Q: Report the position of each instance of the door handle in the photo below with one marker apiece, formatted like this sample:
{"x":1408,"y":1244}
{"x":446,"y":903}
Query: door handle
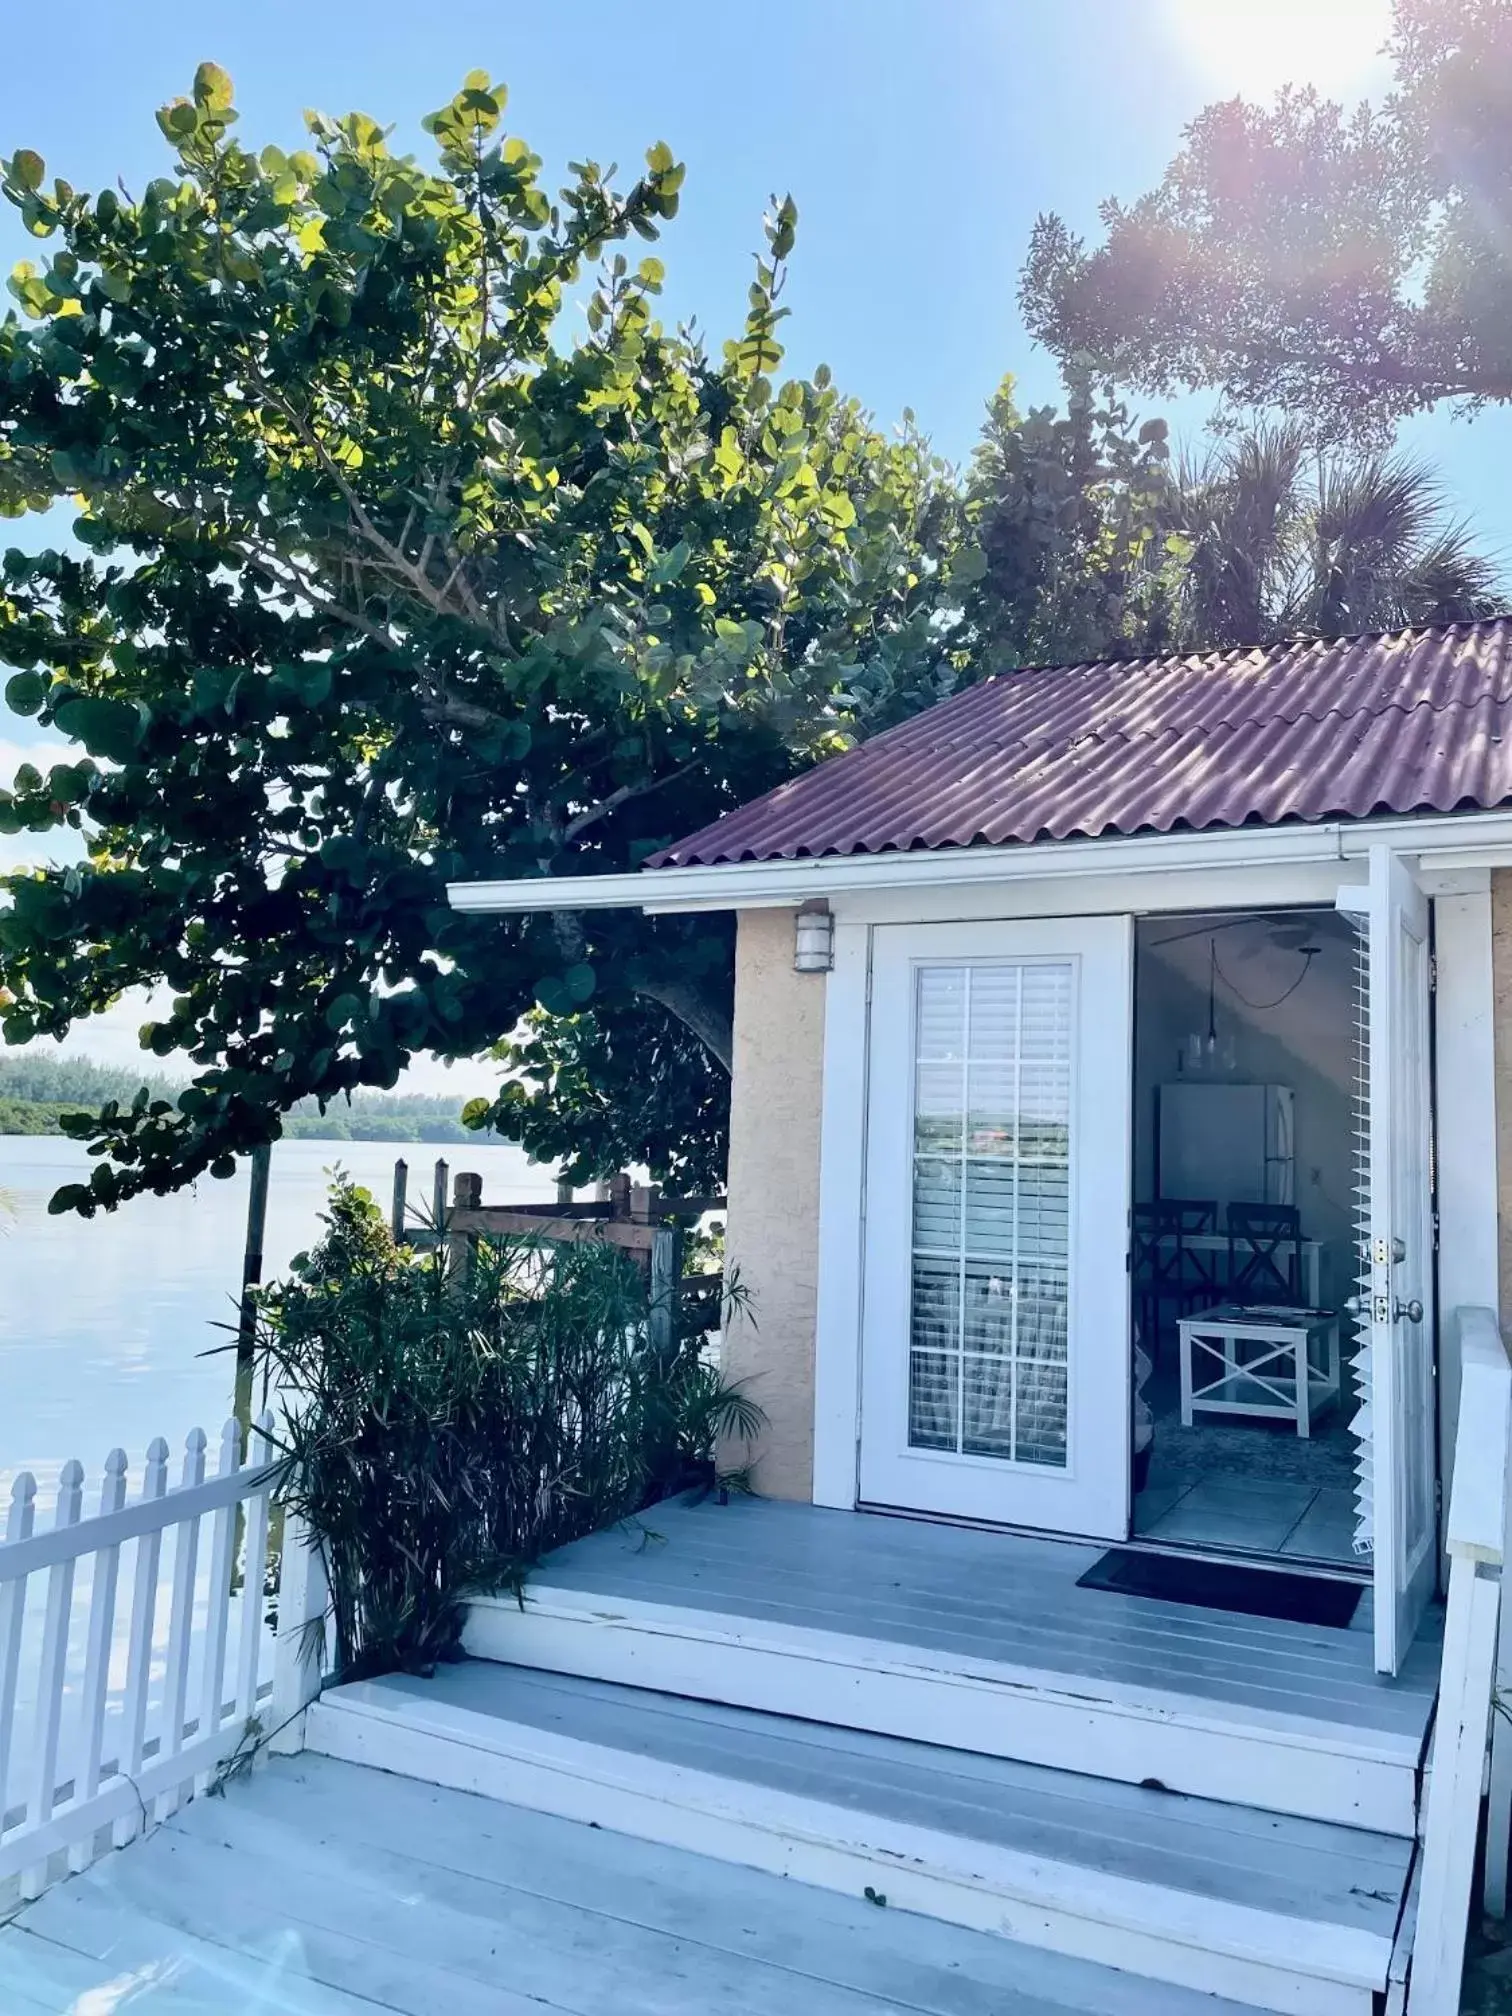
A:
{"x":1412,"y":1310}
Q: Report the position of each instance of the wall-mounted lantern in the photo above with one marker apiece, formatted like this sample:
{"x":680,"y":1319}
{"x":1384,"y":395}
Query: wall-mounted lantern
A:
{"x":814,"y":938}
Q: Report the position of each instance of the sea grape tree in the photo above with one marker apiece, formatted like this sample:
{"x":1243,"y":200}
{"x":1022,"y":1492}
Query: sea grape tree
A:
{"x":409,"y":545}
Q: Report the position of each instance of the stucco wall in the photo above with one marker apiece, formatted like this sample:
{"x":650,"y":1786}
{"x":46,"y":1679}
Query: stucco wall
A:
{"x":773,"y":1238}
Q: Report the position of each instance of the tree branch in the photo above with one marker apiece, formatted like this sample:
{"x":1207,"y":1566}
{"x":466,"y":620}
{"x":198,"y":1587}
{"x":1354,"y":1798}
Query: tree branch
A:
{"x":622,"y":797}
{"x":712,"y":1025}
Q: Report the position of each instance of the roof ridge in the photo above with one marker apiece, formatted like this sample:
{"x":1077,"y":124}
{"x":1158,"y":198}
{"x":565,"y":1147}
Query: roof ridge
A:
{"x":1115,"y":732}
{"x":1216,"y":654}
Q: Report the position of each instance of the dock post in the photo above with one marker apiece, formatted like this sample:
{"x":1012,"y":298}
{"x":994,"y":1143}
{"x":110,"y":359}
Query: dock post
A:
{"x":401,"y":1201}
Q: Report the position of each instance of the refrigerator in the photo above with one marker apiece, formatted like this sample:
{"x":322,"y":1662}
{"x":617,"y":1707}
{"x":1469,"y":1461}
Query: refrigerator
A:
{"x":1233,"y":1144}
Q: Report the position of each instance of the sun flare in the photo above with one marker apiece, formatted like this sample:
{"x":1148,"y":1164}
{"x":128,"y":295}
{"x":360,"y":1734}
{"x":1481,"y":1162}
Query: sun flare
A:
{"x":1255,"y":46}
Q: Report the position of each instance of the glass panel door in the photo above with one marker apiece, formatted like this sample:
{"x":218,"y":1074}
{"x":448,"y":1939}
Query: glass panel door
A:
{"x":995,"y":1361}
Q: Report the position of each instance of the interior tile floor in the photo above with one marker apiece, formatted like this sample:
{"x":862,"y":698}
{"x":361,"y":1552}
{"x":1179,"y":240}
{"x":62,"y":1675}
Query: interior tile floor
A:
{"x":1256,"y":1515}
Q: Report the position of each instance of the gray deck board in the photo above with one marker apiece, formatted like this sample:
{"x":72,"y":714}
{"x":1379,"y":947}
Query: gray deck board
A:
{"x":325,"y":1889}
{"x":1306,"y":1869}
{"x":996,"y":1597}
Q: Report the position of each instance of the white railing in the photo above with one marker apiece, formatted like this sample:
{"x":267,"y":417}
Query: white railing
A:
{"x":1476,"y":1542}
{"x":115,"y":1709}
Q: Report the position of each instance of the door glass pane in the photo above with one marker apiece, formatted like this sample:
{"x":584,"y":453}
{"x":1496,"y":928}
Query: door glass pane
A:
{"x":991,"y":1210}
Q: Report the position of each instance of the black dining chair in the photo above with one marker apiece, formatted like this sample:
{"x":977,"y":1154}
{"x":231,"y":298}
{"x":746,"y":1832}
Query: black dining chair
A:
{"x":1169,"y":1273}
{"x":1265,"y":1253}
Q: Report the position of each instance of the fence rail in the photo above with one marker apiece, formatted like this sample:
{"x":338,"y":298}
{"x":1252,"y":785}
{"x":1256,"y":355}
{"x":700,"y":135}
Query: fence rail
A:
{"x":115,"y":1709}
{"x":1475,"y":1539}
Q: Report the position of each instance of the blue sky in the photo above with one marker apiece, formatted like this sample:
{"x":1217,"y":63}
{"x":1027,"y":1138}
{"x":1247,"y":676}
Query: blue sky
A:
{"x":919,"y":137}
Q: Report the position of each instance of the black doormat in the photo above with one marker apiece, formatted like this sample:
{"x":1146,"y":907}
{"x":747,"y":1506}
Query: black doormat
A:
{"x":1213,"y":1585}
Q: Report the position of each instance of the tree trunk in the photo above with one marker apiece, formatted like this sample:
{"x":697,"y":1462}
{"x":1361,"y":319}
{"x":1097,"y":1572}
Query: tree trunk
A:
{"x":712,"y":1024}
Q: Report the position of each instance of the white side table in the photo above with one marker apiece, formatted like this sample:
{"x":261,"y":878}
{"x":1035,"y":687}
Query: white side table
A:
{"x":1268,"y":1364}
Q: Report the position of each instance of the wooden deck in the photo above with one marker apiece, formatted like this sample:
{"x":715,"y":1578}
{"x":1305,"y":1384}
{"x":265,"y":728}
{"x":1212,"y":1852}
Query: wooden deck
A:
{"x":323,"y":1889}
{"x":803,"y":1611}
{"x":990,"y":1596}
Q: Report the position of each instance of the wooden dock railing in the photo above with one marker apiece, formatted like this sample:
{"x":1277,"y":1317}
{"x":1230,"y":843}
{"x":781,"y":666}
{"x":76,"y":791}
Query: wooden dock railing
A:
{"x":1476,"y":1540}
{"x":115,"y":1709}
{"x":635,"y":1218}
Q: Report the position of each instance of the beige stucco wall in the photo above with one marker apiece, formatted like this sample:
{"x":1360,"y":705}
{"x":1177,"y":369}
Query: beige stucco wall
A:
{"x":1501,"y":976}
{"x":773,"y":1238}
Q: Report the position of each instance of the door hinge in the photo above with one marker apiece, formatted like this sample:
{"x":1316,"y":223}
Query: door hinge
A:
{"x":1433,"y":973}
{"x":1435,"y":1231}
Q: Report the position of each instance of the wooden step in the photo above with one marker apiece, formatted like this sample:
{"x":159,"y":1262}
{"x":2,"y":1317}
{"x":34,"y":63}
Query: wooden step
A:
{"x":1273,"y":1913}
{"x":1226,"y":1708}
{"x":317,"y":1888}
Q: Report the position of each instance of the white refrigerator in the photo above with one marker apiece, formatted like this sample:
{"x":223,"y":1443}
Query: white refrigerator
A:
{"x":1232,"y":1144}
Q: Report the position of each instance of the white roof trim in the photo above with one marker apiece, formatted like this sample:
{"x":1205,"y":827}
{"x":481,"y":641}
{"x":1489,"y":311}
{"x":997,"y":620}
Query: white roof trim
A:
{"x":1457,"y":840}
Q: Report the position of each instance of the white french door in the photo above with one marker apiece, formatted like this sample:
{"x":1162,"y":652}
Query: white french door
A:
{"x":1395,"y":1368}
{"x":995,"y":1349}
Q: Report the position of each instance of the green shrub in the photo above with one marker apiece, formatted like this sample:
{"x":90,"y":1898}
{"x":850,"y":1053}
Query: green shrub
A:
{"x":445,"y":1429}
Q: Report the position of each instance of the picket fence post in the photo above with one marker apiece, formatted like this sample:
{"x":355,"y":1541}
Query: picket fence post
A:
{"x":140,"y":1636}
{"x":181,"y":1617}
{"x":304,"y":1603}
{"x":60,"y":1582}
{"x":259,"y":1454}
{"x":102,"y":1605}
{"x":23,"y":1513}
{"x":218,"y":1605}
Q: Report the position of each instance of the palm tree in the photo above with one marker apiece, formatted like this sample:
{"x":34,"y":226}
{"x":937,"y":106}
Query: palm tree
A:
{"x":1272,"y":541}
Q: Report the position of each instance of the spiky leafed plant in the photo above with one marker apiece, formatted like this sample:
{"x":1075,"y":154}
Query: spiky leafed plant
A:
{"x":1287,"y":543}
{"x":444,"y":1429}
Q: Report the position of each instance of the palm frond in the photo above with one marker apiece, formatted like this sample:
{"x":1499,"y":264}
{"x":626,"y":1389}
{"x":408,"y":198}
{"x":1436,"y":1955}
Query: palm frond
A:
{"x":1284,"y":546}
{"x":1237,"y":509}
{"x":1451,"y":581}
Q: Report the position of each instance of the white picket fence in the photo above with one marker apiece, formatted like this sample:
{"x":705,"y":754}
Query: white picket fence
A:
{"x":131,"y":1706}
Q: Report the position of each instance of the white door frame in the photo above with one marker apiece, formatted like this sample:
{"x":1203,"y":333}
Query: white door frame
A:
{"x":1464,"y":1103}
{"x":1090,"y":1493}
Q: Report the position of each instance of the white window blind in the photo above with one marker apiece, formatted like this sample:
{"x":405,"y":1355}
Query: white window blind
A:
{"x":991,"y":1210}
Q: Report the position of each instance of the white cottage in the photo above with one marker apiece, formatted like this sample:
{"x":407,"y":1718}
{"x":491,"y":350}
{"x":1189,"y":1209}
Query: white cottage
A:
{"x":1114,"y":1161}
{"x":1119,"y":1058}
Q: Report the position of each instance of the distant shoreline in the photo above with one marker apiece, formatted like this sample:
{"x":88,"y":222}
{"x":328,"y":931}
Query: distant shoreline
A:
{"x":37,"y":1089}
{"x":43,"y":1116}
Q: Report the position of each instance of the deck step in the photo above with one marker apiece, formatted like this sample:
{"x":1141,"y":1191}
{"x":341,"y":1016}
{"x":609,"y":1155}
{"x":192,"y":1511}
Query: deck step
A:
{"x":1273,"y":1913}
{"x":1293,"y":1760}
{"x":317,"y":1888}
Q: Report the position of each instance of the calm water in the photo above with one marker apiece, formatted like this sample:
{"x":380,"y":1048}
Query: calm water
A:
{"x":103,"y":1322}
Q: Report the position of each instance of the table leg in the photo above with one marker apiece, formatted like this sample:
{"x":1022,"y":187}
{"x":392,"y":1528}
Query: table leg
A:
{"x":1304,"y":1388}
{"x":1184,"y":1331}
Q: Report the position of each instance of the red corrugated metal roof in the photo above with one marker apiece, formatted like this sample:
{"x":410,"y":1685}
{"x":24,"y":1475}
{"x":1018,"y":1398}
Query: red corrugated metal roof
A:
{"x":1415,"y":721}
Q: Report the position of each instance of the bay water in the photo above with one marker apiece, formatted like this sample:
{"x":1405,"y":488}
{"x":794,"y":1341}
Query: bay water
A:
{"x":105,"y":1323}
{"x":111,"y":1333}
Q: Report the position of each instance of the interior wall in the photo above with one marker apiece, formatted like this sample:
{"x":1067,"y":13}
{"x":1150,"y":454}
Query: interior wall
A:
{"x":1305,"y":1041}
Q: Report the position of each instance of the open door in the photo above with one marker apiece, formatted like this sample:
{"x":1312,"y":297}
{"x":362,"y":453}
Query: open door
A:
{"x":995,"y":1359}
{"x":1394,"y":1308}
